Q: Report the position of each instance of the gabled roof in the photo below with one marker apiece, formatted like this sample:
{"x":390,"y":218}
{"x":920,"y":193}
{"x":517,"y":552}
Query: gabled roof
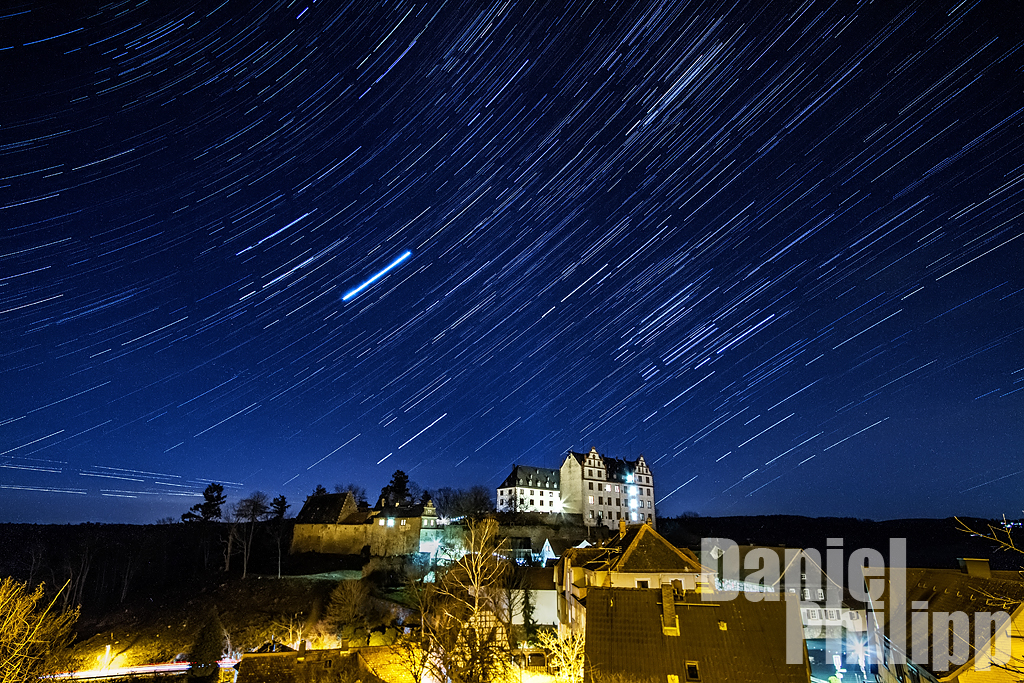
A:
{"x":615,"y":468}
{"x":331,"y":508}
{"x":644,"y":549}
{"x":640,"y":549}
{"x":738,"y":640}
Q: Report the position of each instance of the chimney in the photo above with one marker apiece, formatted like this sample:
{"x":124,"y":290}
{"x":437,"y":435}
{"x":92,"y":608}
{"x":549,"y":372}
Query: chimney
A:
{"x":975,"y":566}
{"x":622,"y":528}
{"x":669,"y":621}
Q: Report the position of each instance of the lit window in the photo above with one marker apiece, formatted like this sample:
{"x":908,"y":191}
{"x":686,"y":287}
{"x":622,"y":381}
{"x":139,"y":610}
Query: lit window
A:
{"x":590,"y":499}
{"x":403,"y":522}
{"x":649,"y":504}
{"x":591,"y":514}
{"x":391,"y":521}
{"x":616,"y":488}
{"x":381,"y":522}
{"x":608,"y":487}
{"x":821,"y":594}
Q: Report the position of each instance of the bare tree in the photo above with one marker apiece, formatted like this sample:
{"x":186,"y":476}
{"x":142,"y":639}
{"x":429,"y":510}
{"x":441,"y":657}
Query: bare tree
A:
{"x":565,"y":654}
{"x":358,"y":492}
{"x":464,"y":615}
{"x":250,"y":511}
{"x":34,"y":636}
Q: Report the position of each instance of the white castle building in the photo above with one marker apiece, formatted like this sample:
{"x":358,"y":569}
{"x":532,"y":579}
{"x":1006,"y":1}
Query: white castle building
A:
{"x":603,"y":490}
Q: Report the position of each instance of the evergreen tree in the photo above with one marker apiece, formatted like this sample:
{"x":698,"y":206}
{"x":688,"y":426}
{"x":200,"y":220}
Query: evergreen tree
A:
{"x":209,"y":509}
{"x":397,"y":491}
{"x":207,"y":649}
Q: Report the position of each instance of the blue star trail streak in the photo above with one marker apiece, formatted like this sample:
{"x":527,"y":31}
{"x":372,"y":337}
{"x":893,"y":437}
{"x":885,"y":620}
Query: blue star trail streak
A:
{"x":774,"y":247}
{"x":384,"y":271}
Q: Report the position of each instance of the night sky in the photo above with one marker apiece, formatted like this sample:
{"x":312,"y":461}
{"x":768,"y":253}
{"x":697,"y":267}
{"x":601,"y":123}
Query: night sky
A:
{"x":776,"y":248}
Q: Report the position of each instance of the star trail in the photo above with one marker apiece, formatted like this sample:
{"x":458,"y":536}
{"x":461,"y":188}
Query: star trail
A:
{"x":773,"y":247}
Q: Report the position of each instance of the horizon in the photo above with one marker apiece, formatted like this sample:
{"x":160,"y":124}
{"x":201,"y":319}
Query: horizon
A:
{"x":776,"y":249}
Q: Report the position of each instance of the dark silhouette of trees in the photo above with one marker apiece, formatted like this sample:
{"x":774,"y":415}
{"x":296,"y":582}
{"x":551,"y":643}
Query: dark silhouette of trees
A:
{"x":248,"y":513}
{"x":278,"y":507}
{"x":210,"y":508}
{"x":358,"y":492}
{"x":207,"y":649}
{"x":318,"y":491}
{"x":206,"y":513}
{"x":397,"y":492}
{"x":471,"y":503}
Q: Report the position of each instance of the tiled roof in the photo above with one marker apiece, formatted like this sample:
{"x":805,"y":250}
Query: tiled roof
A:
{"x":949,"y":591}
{"x":526,"y":475}
{"x":329,"y":508}
{"x":640,"y":549}
{"x":737,"y":641}
{"x":644,"y":549}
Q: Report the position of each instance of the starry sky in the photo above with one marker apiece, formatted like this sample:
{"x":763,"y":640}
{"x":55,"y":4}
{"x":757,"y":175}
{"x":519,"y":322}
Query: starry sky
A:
{"x":776,"y":248}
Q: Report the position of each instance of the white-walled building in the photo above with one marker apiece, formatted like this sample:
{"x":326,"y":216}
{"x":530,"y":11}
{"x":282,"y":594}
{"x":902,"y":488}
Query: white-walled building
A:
{"x":603,"y":490}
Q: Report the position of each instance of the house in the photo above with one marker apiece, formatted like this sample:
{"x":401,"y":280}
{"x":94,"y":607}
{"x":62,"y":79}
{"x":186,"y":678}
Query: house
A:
{"x":334,"y":524}
{"x":603,"y":490}
{"x":540,"y":584}
{"x":962,"y":626}
{"x":637,"y":557}
{"x":828,"y":611}
{"x":667,"y":635}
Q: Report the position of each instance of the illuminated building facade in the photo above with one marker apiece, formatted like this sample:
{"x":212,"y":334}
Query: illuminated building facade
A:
{"x":603,"y":490}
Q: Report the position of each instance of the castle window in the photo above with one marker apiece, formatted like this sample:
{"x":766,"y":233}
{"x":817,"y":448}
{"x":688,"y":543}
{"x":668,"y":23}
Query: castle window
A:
{"x":590,"y":499}
{"x":692,"y":671}
{"x":590,"y":485}
{"x":380,"y":522}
